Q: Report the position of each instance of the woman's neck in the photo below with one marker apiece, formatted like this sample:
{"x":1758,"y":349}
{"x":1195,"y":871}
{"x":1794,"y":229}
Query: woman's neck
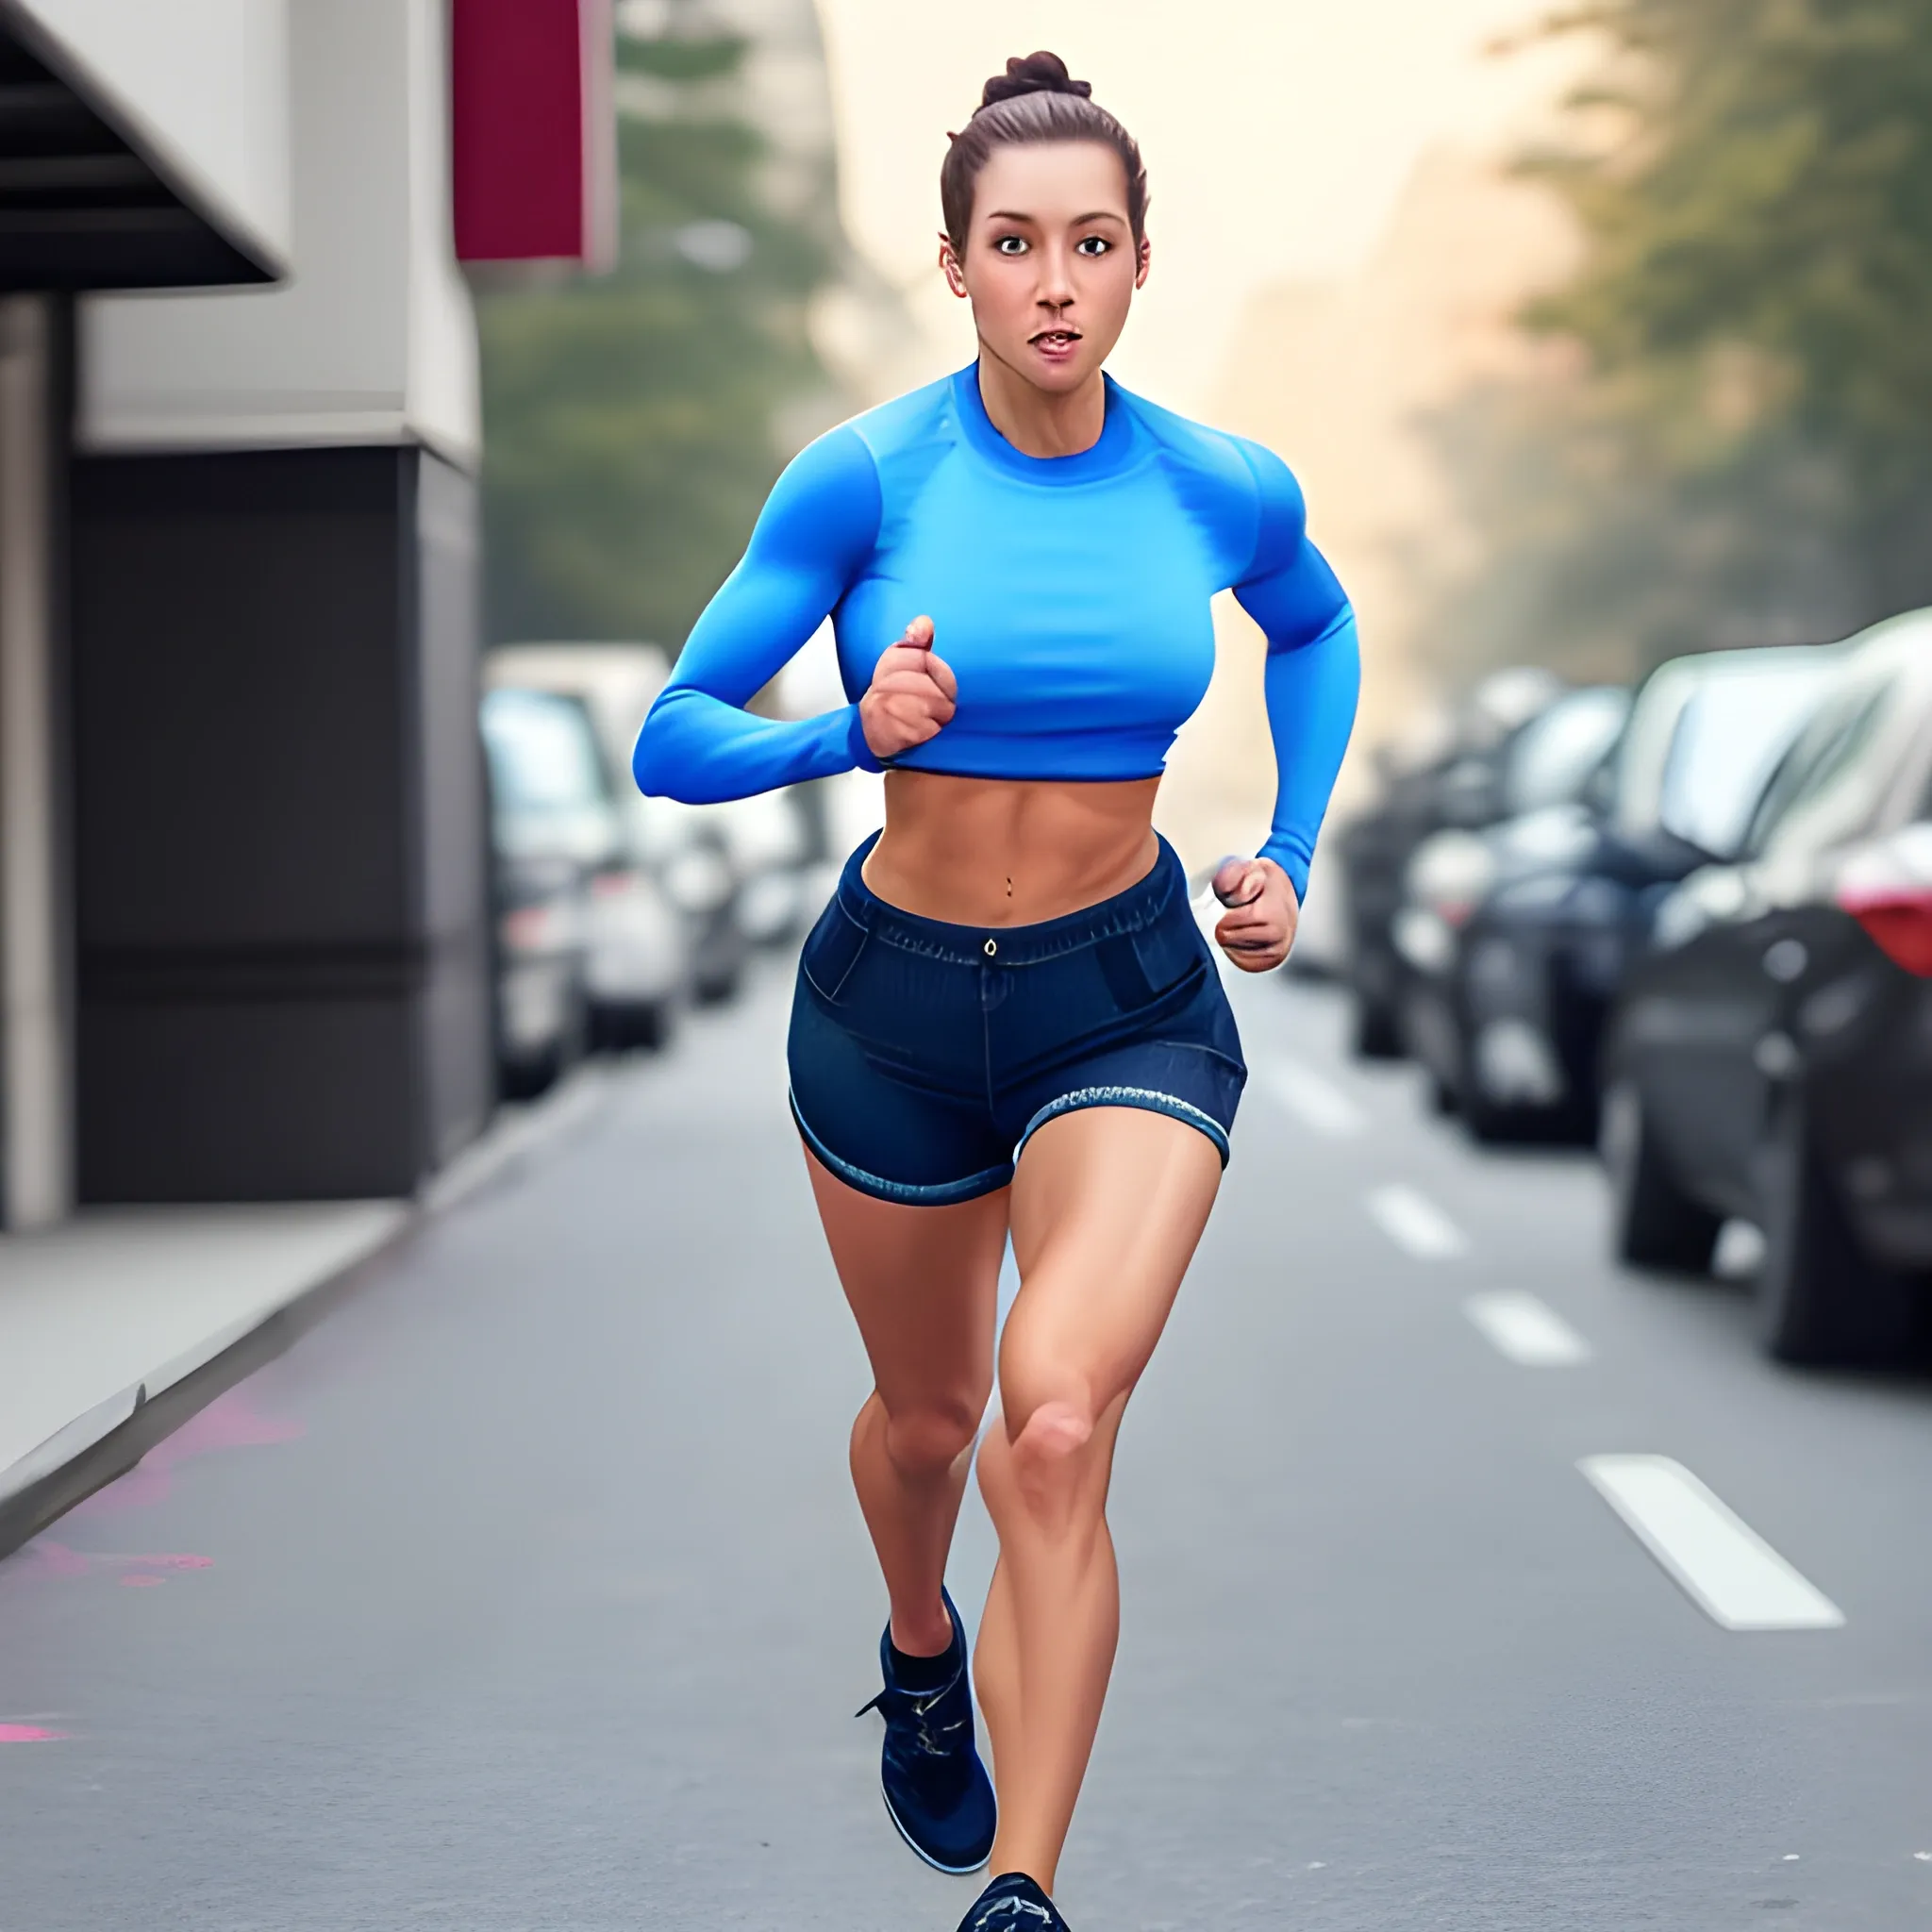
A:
{"x":1036,"y":423}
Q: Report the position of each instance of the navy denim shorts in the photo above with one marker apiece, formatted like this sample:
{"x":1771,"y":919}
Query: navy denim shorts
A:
{"x":924,"y":1055}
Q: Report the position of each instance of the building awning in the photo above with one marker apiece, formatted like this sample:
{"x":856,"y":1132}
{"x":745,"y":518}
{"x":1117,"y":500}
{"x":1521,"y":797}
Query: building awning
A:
{"x":81,"y":206}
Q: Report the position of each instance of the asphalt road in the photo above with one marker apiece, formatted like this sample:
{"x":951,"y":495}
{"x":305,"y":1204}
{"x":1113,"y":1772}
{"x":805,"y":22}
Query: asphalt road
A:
{"x":527,"y":1591}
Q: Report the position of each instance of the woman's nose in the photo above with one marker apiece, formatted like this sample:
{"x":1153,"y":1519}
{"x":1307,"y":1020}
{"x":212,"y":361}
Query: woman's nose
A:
{"x":1056,"y":278}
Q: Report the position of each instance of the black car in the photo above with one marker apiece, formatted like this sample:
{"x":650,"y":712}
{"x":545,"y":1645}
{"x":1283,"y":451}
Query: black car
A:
{"x":1517,"y":938}
{"x":1460,"y":780}
{"x":1770,"y":1057}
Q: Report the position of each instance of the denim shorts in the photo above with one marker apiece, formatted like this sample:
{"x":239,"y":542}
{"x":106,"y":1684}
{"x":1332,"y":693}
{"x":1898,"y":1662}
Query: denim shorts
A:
{"x":925,"y":1055}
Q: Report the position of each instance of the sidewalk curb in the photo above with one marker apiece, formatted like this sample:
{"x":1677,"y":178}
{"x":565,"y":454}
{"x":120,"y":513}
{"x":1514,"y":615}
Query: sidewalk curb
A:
{"x":105,"y":1442}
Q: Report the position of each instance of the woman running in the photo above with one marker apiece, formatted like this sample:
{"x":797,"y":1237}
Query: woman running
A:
{"x":1007,"y":1022}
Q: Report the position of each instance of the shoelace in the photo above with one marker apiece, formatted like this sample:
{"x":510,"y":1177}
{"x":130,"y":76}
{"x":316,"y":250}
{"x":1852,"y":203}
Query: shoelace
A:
{"x":1010,"y":1909}
{"x":891,"y":1703}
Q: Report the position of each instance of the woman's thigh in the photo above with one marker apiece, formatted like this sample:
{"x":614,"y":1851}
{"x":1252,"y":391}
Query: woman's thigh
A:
{"x":1108,"y":1206}
{"x":924,"y":1285}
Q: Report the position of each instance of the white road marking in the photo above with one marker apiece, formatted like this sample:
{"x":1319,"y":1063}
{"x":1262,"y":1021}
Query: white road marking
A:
{"x":1526,"y":1331}
{"x":1414,"y":1222}
{"x":1718,"y":1559}
{"x":1317,"y":1103}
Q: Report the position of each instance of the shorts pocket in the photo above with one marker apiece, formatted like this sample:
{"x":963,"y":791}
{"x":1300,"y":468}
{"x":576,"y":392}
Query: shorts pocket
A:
{"x":1152,"y":964}
{"x":831,"y":951}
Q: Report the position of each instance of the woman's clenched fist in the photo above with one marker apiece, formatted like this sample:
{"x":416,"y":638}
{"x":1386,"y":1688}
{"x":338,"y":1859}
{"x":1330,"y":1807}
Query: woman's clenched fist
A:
{"x":1259,"y":926}
{"x":911,"y":695}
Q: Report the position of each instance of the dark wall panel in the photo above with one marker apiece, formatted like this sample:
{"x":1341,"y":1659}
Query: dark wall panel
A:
{"x":246,"y":1100}
{"x":280,"y":863}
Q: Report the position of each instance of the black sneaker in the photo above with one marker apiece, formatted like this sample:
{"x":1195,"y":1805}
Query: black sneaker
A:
{"x":937,"y":1791}
{"x":1012,"y":1903}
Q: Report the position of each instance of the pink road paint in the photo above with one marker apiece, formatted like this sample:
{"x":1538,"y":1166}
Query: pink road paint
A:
{"x":28,"y":1734}
{"x":56,"y":1560}
{"x":229,"y":1422}
{"x":51,"y":1558}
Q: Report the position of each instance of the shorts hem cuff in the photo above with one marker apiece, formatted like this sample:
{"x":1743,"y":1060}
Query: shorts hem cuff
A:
{"x":908,"y":1193}
{"x":1149,"y":1099}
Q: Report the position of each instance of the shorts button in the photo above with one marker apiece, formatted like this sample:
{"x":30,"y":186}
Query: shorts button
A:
{"x":991,"y":949}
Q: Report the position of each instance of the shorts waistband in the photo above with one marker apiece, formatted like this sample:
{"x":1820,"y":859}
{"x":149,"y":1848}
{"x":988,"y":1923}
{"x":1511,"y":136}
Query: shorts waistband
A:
{"x":1146,"y":903}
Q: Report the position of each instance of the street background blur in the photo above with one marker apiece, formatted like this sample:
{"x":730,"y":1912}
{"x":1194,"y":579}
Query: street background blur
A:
{"x":1521,"y":1521}
{"x":1593,"y":336}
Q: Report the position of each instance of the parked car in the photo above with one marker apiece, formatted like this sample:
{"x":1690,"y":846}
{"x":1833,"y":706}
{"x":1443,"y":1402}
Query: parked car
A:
{"x":1517,"y":937}
{"x":688,"y":849}
{"x":600,"y":956}
{"x":1769,"y":1056}
{"x":1455,"y":778}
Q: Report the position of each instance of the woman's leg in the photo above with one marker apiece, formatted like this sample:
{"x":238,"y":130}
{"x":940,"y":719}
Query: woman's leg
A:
{"x":1108,"y":1206}
{"x":923,"y":1284}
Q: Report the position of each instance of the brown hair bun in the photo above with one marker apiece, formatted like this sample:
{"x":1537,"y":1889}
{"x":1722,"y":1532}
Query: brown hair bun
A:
{"x":1036,"y":101}
{"x":1037,"y":74}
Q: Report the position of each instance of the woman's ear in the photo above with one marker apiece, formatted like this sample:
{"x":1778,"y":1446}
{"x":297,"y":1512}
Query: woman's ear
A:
{"x":949,"y":267}
{"x":1146,"y":257}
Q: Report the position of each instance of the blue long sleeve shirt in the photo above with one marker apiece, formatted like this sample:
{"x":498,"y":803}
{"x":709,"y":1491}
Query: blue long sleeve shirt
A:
{"x":1069,"y":594}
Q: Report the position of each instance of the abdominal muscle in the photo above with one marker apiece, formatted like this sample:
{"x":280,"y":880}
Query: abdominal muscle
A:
{"x":1009,"y":851}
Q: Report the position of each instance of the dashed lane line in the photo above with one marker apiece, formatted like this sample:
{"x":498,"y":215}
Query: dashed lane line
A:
{"x":1415,"y":1223}
{"x":1717,"y":1559}
{"x":1319,"y":1105}
{"x":1526,"y":1331}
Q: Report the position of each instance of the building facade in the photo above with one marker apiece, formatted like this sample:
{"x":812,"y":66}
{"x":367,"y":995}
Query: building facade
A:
{"x":244,"y":922}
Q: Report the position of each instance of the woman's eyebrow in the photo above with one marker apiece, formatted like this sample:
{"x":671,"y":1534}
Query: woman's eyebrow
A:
{"x":1099,"y":214}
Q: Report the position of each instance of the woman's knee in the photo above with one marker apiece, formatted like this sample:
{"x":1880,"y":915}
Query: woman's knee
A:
{"x":1051,"y":1420}
{"x":927,"y":1438}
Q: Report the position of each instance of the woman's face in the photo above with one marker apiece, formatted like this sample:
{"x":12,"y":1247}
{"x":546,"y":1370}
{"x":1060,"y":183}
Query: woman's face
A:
{"x":1050,"y":264}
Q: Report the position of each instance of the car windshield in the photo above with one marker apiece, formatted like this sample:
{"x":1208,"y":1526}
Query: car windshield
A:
{"x":1729,"y":740}
{"x":543,"y":754}
{"x":1554,"y":757}
{"x":1826,"y":755}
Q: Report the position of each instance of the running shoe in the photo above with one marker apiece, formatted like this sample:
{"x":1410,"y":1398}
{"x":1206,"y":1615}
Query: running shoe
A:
{"x":937,"y":1791}
{"x":1012,"y":1903}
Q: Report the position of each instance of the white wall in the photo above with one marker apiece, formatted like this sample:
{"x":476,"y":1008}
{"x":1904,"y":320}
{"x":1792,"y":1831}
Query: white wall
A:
{"x":373,"y":337}
{"x":202,"y":86}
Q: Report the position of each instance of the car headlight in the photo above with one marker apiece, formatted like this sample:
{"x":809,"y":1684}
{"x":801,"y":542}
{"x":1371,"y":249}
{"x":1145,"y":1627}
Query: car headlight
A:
{"x":1713,"y":894}
{"x":1451,"y":874}
{"x":698,"y":880}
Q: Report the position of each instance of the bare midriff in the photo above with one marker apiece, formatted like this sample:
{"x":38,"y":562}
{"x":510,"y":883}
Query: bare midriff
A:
{"x":1009,"y":851}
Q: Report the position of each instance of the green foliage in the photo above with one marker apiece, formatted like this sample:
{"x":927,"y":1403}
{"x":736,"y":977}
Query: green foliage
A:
{"x":629,"y":418}
{"x":1773,"y":194}
{"x":1751,"y":456}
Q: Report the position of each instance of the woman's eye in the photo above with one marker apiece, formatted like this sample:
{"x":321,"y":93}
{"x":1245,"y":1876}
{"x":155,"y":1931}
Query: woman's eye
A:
{"x":1092,"y":244}
{"x":1010,"y":244}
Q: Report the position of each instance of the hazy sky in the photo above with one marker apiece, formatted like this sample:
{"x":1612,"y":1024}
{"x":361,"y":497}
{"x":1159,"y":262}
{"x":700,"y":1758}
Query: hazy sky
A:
{"x":1277,"y":134}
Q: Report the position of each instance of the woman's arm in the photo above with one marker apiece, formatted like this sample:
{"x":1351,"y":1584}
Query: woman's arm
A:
{"x":1314,"y":670}
{"x":817,"y":529}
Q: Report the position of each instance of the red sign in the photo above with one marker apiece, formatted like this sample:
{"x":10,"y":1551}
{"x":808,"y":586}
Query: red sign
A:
{"x":533,"y":132}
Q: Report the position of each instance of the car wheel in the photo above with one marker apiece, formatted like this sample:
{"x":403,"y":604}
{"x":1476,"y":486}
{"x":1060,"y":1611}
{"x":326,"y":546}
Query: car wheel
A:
{"x":645,"y":1025}
{"x":1377,"y":1034}
{"x":1821,"y":1301}
{"x":1490,"y":1124}
{"x":715,"y":989}
{"x":1654,"y":1223}
{"x":524,"y":1079}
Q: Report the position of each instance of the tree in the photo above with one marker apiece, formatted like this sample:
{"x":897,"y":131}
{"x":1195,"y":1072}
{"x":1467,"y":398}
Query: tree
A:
{"x":1750,"y":457}
{"x":629,"y":420}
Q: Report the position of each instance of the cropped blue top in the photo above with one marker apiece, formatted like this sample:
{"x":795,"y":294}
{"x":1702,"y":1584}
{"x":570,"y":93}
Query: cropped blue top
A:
{"x":1069,"y":594}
